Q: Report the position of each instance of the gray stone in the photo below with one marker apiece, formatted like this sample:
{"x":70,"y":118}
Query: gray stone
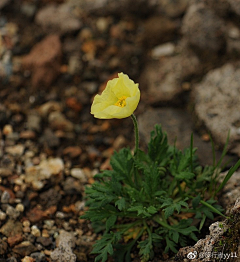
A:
{"x":164,"y":80}
{"x":217,"y":104}
{"x":33,"y":121}
{"x":58,"y":18}
{"x":38,"y":256}
{"x":12,"y":212}
{"x":5,"y":197}
{"x":63,"y":252}
{"x":203,"y":30}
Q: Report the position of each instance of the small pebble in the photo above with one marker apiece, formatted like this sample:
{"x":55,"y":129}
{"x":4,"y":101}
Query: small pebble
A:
{"x":5,"y":197}
{"x":35,"y":231}
{"x":45,"y":233}
{"x":7,"y":129}
{"x":2,"y":215}
{"x":26,"y":223}
{"x":12,"y":212}
{"x":79,"y":174}
{"x":60,"y":215}
{"x":20,"y":207}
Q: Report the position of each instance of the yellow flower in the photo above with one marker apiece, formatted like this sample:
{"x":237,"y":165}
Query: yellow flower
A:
{"x":118,"y":100}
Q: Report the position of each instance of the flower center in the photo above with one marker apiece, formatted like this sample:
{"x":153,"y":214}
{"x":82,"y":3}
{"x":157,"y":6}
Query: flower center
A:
{"x":121,"y":101}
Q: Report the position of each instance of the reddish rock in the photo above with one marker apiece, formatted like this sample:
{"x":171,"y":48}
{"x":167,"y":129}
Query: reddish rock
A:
{"x":72,"y":151}
{"x":44,"y":61}
{"x":36,"y":214}
{"x":13,"y":240}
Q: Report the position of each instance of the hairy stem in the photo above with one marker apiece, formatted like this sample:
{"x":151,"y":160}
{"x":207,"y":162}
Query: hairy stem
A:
{"x":134,"y":119}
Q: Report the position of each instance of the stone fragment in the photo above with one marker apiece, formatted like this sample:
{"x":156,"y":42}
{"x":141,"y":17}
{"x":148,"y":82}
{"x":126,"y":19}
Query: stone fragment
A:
{"x":203,"y":30}
{"x":5,"y":197}
{"x":45,"y":241}
{"x":38,"y":257}
{"x":25,"y":248}
{"x":58,"y":121}
{"x":63,"y":252}
{"x":163,"y":80}
{"x":11,"y":228}
{"x":3,"y":247}
{"x":12,"y":212}
{"x":4,"y":3}
{"x":13,"y":240}
{"x":16,"y":150}
{"x":79,"y":174}
{"x":217,"y":104}
{"x":44,"y":61}
{"x":58,"y":18}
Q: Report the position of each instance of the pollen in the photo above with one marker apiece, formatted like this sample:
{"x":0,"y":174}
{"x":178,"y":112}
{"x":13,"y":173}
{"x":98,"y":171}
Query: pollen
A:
{"x":121,"y":101}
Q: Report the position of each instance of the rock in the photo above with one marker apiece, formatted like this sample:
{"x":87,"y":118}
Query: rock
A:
{"x":2,"y":215}
{"x":5,"y":197}
{"x":58,"y":18}
{"x":48,"y":107}
{"x":164,"y":79}
{"x":203,"y":30}
{"x":58,"y":121}
{"x":12,"y":212}
{"x":25,"y":248}
{"x":163,"y":50}
{"x":44,"y":61}
{"x":49,"y":139}
{"x":45,"y":241}
{"x":171,"y":8}
{"x":38,"y":257}
{"x":7,"y":129}
{"x":11,"y":228}
{"x":33,"y":121}
{"x":235,"y":6}
{"x":72,"y":151}
{"x":13,"y":240}
{"x":35,"y":231}
{"x":5,"y":172}
{"x":217,"y":104}
{"x":221,"y":9}
{"x":178,"y":124}
{"x":16,"y":150}
{"x":79,"y":174}
{"x":27,"y":259}
{"x":50,"y":197}
{"x":3,"y":247}
{"x":63,"y":252}
{"x":71,"y":186}
{"x":230,"y":192}
{"x":158,"y":30}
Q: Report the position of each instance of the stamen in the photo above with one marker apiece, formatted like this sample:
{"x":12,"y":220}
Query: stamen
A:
{"x":121,"y":101}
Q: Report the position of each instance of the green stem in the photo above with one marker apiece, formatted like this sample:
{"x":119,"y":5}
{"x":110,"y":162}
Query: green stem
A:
{"x":134,"y":119}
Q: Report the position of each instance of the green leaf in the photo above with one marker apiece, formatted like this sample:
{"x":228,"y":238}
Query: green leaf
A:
{"x":168,"y":211}
{"x":196,"y":201}
{"x":184,"y":175}
{"x":110,"y":222}
{"x":229,"y":175}
{"x":121,"y":203}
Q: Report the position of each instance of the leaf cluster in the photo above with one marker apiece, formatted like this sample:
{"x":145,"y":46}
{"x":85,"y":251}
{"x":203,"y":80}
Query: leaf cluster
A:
{"x":150,"y":200}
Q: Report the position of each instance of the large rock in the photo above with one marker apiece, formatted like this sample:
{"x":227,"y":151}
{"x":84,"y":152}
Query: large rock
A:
{"x":203,"y":30}
{"x":58,"y":18}
{"x":217,"y":104}
{"x":165,"y":79}
{"x":44,"y":61}
{"x":179,"y":125}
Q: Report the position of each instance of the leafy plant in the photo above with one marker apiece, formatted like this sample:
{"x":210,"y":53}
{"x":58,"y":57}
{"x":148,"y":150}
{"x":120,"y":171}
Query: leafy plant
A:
{"x":151,"y":199}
